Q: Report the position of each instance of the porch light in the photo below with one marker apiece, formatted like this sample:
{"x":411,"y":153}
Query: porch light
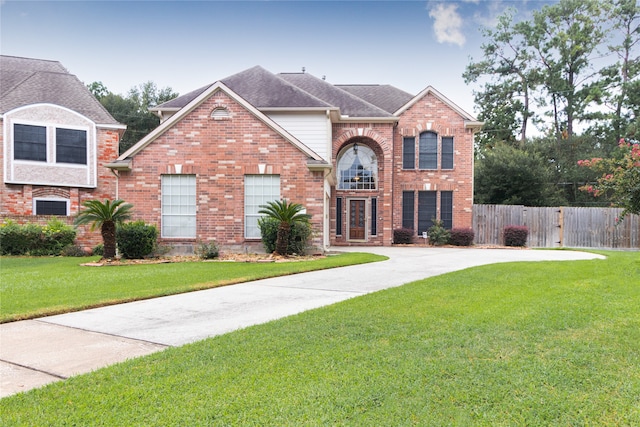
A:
{"x":355,"y":148}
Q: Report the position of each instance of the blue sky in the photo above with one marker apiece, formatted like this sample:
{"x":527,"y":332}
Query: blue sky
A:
{"x":188,"y":44}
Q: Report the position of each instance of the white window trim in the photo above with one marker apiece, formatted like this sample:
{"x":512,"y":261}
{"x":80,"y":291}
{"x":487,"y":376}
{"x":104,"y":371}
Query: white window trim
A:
{"x":49,"y":199}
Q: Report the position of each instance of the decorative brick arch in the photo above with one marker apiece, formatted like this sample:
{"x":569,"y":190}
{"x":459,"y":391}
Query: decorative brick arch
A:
{"x":419,"y":128}
{"x":369,"y":133}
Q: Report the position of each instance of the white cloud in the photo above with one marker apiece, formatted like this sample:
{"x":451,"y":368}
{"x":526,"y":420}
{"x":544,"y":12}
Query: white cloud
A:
{"x":447,"y":24}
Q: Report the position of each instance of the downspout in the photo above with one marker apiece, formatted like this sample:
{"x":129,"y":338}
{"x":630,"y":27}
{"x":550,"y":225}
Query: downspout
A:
{"x":117,"y":182}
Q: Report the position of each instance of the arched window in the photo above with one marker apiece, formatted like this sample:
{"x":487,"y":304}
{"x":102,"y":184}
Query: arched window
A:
{"x":357,"y":168}
{"x":428,"y":151}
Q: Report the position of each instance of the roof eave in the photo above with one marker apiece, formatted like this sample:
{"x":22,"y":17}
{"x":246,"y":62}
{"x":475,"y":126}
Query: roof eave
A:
{"x":347,"y":119}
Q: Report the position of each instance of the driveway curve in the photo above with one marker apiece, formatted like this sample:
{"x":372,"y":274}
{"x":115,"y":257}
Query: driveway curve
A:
{"x":36,"y":352}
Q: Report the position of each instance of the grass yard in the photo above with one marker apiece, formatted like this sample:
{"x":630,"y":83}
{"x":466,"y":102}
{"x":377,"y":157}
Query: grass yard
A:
{"x":34,"y":287}
{"x":535,"y":344}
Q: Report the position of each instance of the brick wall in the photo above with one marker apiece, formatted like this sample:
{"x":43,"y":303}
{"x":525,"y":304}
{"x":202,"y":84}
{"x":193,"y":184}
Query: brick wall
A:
{"x":430,"y":113}
{"x":220,"y":153}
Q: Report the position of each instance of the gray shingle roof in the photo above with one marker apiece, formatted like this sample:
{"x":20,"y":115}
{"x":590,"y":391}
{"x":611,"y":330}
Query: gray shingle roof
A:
{"x":27,"y":81}
{"x":263,"y":89}
{"x":387,"y":97}
{"x":349,"y":104}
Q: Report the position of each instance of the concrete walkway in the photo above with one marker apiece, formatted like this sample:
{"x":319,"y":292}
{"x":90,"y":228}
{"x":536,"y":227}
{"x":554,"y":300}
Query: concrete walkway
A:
{"x":40,"y":351}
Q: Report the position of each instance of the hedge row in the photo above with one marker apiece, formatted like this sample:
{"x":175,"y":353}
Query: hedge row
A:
{"x":35,"y":239}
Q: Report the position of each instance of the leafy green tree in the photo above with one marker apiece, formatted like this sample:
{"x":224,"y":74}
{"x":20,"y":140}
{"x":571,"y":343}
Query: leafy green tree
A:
{"x":620,"y":80}
{"x":510,"y":77}
{"x":620,"y":178}
{"x":105,"y":215}
{"x":512,"y":176}
{"x":565,"y":38}
{"x":287,"y":214}
{"x":133,"y":109}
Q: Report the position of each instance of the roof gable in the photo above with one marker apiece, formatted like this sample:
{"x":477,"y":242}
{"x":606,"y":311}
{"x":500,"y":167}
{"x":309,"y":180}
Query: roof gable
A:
{"x":195,"y":102}
{"x":431,"y":90}
{"x":26,"y":81}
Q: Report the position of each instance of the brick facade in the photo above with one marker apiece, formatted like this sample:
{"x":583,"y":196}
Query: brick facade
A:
{"x":220,"y":153}
{"x":432,"y":114}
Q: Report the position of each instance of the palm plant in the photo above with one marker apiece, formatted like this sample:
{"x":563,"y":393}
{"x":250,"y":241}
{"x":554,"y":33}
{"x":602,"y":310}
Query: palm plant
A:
{"x":287,"y":213}
{"x":105,"y":215}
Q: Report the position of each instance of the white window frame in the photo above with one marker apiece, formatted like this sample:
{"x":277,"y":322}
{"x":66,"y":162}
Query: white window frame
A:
{"x":49,"y":199}
{"x":256,"y":196}
{"x":179,"y":208}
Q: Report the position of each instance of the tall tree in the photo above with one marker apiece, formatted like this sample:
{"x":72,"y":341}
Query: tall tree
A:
{"x":565,"y":37}
{"x":506,"y":96}
{"x":620,"y":80}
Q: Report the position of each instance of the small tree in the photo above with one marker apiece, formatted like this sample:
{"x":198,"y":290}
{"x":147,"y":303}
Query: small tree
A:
{"x":620,"y":178}
{"x":287,"y":214}
{"x":105,"y":215}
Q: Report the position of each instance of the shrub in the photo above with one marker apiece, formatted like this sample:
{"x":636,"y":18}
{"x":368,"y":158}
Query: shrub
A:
{"x":98,"y":249}
{"x":73,"y":250}
{"x":298,"y":238}
{"x":515,"y":235}
{"x":461,"y":236}
{"x":438,"y":235}
{"x":34,"y":239}
{"x":56,"y":236}
{"x":207,"y":250}
{"x":136,"y":239}
{"x":403,"y":236}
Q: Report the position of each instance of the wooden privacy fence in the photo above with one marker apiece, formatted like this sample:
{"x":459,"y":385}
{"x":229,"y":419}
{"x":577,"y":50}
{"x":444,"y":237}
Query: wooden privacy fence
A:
{"x":558,"y":227}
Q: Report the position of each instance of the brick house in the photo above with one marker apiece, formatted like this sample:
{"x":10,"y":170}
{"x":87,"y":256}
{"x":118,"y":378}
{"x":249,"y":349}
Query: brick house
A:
{"x":363,"y":160}
{"x":56,"y":140}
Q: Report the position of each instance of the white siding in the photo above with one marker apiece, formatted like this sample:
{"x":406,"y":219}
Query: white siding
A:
{"x":312,"y":129}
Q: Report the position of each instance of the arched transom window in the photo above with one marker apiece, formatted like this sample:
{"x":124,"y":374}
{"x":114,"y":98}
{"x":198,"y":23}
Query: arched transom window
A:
{"x":357,"y":168}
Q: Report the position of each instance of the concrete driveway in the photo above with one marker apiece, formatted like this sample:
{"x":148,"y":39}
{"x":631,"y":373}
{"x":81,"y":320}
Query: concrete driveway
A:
{"x":40,"y":351}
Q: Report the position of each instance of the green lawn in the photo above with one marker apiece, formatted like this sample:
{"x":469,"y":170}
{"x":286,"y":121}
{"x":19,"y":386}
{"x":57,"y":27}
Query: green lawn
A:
{"x":34,"y":287}
{"x":519,"y":344}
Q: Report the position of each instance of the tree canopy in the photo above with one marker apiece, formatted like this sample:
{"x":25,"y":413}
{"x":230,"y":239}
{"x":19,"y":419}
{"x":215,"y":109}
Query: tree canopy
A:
{"x":133,"y":109}
{"x":561,"y":85}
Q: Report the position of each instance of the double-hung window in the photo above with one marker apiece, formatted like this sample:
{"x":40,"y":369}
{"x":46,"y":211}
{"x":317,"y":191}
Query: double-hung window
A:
{"x":428,"y":151}
{"x":258,"y":191}
{"x":179,"y":206}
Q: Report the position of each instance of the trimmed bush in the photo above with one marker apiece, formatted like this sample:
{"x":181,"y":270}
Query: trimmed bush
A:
{"x":438,"y":235}
{"x":515,"y":235}
{"x":34,"y":239}
{"x":461,"y":236}
{"x":403,"y":236}
{"x":73,"y":250}
{"x":136,"y":239}
{"x":298,"y":238}
{"x":207,"y":250}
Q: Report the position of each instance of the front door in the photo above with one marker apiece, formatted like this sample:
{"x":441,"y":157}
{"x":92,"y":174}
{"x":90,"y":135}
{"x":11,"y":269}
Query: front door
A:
{"x":356,"y":220}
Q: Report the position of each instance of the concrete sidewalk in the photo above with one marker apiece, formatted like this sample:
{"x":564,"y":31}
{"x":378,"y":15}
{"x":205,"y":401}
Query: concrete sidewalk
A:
{"x":40,"y":351}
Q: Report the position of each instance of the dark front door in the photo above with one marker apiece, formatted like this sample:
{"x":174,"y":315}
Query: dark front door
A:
{"x":356,"y":220}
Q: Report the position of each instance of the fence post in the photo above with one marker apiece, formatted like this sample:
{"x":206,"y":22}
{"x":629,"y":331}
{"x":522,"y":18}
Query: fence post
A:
{"x":561,"y":226}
